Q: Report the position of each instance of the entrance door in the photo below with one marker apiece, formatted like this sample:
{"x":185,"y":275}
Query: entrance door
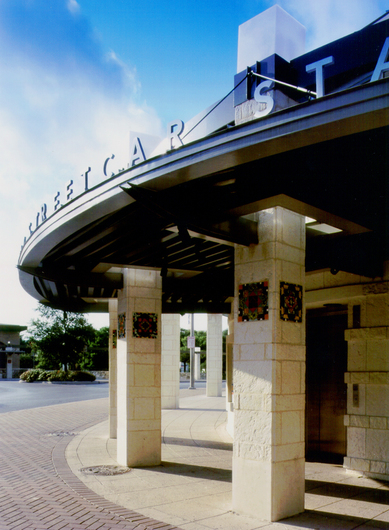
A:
{"x":326,"y":391}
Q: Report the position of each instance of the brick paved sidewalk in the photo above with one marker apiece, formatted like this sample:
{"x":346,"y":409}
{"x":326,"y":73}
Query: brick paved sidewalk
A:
{"x":38,"y":491}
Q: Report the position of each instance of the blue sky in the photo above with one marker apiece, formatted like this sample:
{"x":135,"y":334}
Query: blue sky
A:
{"x":78,"y":75}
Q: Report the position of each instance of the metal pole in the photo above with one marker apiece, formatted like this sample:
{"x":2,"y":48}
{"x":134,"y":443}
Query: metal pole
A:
{"x":299,"y":88}
{"x":192,"y":357}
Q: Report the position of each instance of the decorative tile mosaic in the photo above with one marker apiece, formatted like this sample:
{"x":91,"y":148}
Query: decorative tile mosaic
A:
{"x":145,"y":325}
{"x":122,"y":326}
{"x":253,"y":301}
{"x":291,"y":302}
{"x":114,"y":338}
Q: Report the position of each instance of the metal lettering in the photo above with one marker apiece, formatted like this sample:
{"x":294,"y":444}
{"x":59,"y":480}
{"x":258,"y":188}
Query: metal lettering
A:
{"x":106,"y":164}
{"x":44,"y":212}
{"x":261,"y":97}
{"x":69,"y":190}
{"x":317,"y":67}
{"x":137,"y":154}
{"x":85,"y":175}
{"x":174,"y":129}
{"x":57,"y":201}
{"x":382,"y":65}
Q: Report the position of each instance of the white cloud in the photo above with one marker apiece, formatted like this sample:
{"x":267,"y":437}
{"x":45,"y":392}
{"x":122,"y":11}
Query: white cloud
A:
{"x":328,"y":20}
{"x":73,"y":7}
{"x":60,"y":112}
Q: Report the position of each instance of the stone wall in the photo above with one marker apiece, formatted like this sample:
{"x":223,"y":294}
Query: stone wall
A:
{"x":367,"y":381}
{"x":367,"y":375}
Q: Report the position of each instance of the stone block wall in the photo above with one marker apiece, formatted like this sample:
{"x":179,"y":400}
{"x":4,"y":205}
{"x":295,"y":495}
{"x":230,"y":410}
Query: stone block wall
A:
{"x":367,"y":379}
{"x":170,"y":367}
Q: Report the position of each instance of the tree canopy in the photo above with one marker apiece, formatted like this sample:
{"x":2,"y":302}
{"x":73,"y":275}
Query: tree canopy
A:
{"x":59,"y":338}
{"x":96,"y":357}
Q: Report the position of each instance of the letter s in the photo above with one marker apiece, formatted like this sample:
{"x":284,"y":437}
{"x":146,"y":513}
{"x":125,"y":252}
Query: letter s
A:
{"x":267,"y":100}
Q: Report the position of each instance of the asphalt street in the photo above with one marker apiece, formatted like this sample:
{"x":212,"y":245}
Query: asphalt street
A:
{"x":15,"y":395}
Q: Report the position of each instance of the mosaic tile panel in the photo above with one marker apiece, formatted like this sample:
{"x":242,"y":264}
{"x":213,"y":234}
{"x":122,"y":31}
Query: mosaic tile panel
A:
{"x":145,"y":325}
{"x":253,"y":301}
{"x":122,"y":326}
{"x":114,"y":338}
{"x":291,"y":302}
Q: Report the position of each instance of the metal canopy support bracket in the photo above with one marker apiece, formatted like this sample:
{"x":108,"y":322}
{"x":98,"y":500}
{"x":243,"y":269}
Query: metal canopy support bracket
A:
{"x":235,"y":230}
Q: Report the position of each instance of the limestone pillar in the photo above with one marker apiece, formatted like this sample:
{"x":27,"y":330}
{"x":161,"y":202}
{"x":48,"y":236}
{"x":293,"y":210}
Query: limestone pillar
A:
{"x":170,"y":369}
{"x":112,"y":349}
{"x":229,"y":381}
{"x":139,"y":369}
{"x":229,"y":349}
{"x":367,"y":381}
{"x":197,"y":362}
{"x":214,"y":356}
{"x":269,"y":369}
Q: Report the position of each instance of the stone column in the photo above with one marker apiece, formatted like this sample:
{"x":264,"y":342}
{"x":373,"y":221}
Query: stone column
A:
{"x":229,"y":381}
{"x":214,"y":356}
{"x":170,"y":369}
{"x":139,"y":369}
{"x":269,"y":369}
{"x":367,"y":379}
{"x":112,"y":348}
{"x":229,"y":349}
{"x":197,"y":372}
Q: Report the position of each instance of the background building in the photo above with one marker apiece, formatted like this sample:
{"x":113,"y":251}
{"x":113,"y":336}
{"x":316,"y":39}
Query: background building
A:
{"x":10,"y":349}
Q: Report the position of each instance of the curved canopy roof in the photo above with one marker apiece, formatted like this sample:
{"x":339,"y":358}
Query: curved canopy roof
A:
{"x":182,"y":212}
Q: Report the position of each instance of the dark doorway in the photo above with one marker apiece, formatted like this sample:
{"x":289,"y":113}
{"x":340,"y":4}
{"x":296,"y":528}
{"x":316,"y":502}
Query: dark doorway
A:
{"x":326,"y":392}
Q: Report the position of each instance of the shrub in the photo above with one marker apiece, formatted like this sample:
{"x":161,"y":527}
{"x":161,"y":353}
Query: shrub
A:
{"x":31,"y":375}
{"x":59,"y":375}
{"x":44,"y":375}
{"x":82,"y":376}
{"x":38,"y":374}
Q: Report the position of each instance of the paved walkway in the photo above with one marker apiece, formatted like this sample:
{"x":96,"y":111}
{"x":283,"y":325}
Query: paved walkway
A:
{"x":191,"y":490}
{"x":38,"y":491}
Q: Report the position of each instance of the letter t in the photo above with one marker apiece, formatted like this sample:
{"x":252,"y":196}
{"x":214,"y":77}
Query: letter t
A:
{"x":318,"y":68}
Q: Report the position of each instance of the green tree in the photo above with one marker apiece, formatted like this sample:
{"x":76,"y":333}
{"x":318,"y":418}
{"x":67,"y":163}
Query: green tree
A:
{"x":96,"y":356}
{"x":184,"y":351}
{"x":200,"y":341}
{"x":59,"y":338}
{"x":26,"y":359}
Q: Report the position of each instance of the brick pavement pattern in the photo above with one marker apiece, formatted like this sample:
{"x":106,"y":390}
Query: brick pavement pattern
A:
{"x":38,"y":491}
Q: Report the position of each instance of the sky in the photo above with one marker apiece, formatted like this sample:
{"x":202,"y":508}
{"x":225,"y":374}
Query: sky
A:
{"x":76,"y":76}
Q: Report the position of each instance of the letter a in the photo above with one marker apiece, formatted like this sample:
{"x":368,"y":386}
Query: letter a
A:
{"x":137,"y":154}
{"x":382,"y":65}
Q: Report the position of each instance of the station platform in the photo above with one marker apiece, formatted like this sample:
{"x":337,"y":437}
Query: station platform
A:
{"x":192,"y":488}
